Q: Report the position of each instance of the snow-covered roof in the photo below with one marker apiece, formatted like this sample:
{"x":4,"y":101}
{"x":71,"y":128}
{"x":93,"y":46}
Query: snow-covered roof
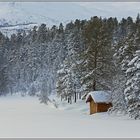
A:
{"x":99,"y":96}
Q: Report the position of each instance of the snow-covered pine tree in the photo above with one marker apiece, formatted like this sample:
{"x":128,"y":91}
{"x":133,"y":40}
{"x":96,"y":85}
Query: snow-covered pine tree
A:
{"x":60,"y":87}
{"x":117,"y":92}
{"x":97,"y":57}
{"x":73,"y":47}
{"x":124,"y":50}
{"x":132,"y":90}
{"x":41,"y":33}
{"x":65,"y":81}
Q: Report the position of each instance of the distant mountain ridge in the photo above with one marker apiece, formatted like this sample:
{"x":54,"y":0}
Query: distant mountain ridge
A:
{"x":40,"y":12}
{"x":25,"y":13}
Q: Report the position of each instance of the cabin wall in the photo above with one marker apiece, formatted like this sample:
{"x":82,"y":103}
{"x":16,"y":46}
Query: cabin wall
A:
{"x":103,"y":107}
{"x":98,"y":107}
{"x":93,"y":107}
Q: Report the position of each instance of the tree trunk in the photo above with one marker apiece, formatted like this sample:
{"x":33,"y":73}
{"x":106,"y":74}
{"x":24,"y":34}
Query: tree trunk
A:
{"x":75,"y":97}
{"x":70,"y":100}
{"x":95,"y":66}
{"x":94,"y":85}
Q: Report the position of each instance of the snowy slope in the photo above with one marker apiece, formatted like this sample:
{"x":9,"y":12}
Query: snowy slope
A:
{"x":26,"y":117}
{"x":41,"y":12}
{"x":9,"y":30}
{"x":18,"y":14}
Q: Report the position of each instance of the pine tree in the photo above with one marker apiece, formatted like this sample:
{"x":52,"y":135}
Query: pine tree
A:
{"x":98,"y":56}
{"x":132,"y":91}
{"x":41,"y":34}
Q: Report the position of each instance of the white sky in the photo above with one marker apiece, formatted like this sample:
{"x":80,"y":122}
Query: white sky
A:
{"x":63,"y":11}
{"x":119,"y":9}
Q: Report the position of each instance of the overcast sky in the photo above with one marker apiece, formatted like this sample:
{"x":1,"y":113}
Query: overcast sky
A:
{"x":56,"y":12}
{"x":119,"y":9}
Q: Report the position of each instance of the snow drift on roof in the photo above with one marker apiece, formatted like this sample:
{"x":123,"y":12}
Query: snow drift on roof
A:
{"x":99,"y":96}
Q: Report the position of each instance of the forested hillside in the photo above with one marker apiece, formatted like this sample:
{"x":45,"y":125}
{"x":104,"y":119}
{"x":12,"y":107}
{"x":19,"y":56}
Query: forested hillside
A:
{"x":85,"y":55}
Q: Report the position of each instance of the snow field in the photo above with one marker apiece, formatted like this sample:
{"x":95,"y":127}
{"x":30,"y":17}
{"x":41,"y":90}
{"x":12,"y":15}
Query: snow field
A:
{"x":26,"y":117}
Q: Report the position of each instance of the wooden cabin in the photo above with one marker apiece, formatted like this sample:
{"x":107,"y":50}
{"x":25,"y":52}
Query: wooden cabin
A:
{"x":99,"y":101}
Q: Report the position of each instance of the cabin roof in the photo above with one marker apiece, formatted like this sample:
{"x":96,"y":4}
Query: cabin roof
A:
{"x":99,"y":96}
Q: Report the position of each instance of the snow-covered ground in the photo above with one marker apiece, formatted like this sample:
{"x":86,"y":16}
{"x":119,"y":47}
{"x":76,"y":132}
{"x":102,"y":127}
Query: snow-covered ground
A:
{"x":26,"y":117}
